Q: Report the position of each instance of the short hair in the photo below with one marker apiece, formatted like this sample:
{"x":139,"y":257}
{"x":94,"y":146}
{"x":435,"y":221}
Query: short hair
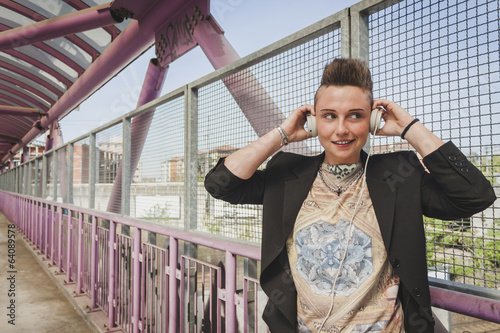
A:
{"x":347,"y":72}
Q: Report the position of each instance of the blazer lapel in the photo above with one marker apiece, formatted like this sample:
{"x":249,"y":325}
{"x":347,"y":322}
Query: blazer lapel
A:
{"x":296,"y":190}
{"x":383,"y":195}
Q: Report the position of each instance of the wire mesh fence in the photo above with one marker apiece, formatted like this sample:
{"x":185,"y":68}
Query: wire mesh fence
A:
{"x":231,"y":117}
{"x":440,"y":61}
{"x":81,"y":172}
{"x":158,"y":183}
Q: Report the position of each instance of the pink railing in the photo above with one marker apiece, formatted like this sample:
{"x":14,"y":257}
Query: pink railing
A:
{"x":145,"y":287}
{"x":141,"y":286}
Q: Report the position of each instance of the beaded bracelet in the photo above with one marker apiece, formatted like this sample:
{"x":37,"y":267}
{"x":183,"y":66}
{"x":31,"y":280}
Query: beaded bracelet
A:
{"x":408,"y":127}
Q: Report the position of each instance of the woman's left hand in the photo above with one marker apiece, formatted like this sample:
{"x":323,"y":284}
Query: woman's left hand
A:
{"x":396,"y":118}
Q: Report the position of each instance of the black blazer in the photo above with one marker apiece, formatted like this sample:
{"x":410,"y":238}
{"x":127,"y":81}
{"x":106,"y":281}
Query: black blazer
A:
{"x":401,"y":192}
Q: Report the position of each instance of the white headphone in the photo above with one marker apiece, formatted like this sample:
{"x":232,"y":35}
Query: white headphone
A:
{"x":375,"y":121}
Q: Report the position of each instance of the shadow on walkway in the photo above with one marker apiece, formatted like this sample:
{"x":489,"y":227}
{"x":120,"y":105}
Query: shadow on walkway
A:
{"x":36,"y":303}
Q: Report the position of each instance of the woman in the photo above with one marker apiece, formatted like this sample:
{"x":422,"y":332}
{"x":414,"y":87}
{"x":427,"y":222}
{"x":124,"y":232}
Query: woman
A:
{"x":342,"y":251}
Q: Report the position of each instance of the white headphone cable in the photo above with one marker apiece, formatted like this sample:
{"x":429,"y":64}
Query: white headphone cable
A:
{"x":349,"y":235}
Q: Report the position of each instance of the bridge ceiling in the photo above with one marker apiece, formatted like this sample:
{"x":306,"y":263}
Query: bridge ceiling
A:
{"x":35,"y":74}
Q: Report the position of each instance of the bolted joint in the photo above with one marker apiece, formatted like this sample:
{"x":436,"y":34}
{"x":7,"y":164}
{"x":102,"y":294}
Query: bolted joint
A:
{"x":38,"y":124}
{"x":119,"y":14}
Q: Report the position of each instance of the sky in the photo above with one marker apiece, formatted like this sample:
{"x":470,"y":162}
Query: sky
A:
{"x":249,"y":25}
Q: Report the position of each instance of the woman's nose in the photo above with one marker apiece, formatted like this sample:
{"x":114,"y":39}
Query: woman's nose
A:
{"x":342,"y":128}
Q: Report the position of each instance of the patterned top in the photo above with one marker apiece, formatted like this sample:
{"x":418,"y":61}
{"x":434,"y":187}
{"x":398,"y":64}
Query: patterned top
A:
{"x":365,"y":297}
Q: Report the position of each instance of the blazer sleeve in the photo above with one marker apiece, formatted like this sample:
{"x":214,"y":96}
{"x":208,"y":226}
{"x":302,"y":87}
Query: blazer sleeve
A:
{"x":454,"y":188}
{"x":222,"y":184}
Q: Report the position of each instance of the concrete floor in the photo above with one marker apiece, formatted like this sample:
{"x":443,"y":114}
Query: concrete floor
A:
{"x":40,"y":306}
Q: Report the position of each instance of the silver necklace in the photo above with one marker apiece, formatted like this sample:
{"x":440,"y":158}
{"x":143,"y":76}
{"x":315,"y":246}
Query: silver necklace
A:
{"x":339,"y":189}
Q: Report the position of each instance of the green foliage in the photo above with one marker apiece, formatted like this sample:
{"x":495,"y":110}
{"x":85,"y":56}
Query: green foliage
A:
{"x":469,"y":257}
{"x":214,"y":226}
{"x":489,"y":166}
{"x":228,"y":226}
{"x":157,"y":213}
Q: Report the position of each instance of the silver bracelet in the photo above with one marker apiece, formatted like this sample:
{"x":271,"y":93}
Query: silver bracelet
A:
{"x":284,"y":137}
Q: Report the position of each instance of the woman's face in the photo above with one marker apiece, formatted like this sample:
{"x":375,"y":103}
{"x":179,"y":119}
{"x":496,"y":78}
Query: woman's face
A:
{"x":343,"y":118}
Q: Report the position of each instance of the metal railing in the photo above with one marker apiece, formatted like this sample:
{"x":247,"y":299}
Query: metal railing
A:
{"x":140,"y":284}
{"x":161,"y":284}
{"x":439,"y":60}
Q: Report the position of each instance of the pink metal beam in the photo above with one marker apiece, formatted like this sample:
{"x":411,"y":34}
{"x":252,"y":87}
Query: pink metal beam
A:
{"x":470,"y":305}
{"x":251,"y":97}
{"x":71,"y":38}
{"x":128,"y":45}
{"x":79,"y":5}
{"x":49,"y":50}
{"x":151,"y":88}
{"x":83,"y":20}
{"x":18,"y":111}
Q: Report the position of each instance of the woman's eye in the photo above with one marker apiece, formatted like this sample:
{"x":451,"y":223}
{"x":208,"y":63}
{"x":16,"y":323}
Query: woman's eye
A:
{"x":355,"y":116}
{"x":330,"y":116}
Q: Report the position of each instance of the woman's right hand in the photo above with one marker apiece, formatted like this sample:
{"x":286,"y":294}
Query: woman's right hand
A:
{"x":293,"y":125}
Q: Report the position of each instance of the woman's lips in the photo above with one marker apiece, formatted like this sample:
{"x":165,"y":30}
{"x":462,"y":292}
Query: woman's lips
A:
{"x":343,"y":142}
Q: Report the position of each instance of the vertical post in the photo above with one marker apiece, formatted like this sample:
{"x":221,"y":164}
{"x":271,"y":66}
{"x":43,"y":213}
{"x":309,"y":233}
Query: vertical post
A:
{"x":69,"y":246}
{"x":359,"y":41}
{"x":136,"y":301}
{"x":359,"y":35}
{"x":34,"y":224}
{"x":191,"y":158}
{"x":16,"y":172}
{"x":13,"y":178}
{"x":30,"y":175}
{"x":93,"y":264}
{"x":126,"y":172}
{"x":48,"y":226}
{"x":230,"y":292}
{"x":70,"y":172}
{"x":80,"y":250}
{"x":41,"y":226}
{"x":191,"y":184}
{"x":44,"y":176}
{"x":92,"y":170}
{"x":25,"y":178}
{"x":37,"y":177}
{"x":111,"y":277}
{"x":53,"y":234}
{"x":60,"y":240}
{"x":31,"y":233}
{"x":172,"y":286}
{"x":250,"y":270}
{"x":55,"y":169}
{"x":345,"y":34}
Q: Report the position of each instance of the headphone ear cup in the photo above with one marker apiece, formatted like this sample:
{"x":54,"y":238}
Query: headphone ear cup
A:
{"x":375,"y":120}
{"x":311,"y":125}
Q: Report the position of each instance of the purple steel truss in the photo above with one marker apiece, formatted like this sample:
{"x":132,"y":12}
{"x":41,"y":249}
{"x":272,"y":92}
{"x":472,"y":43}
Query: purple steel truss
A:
{"x":83,"y":20}
{"x":151,"y":88}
